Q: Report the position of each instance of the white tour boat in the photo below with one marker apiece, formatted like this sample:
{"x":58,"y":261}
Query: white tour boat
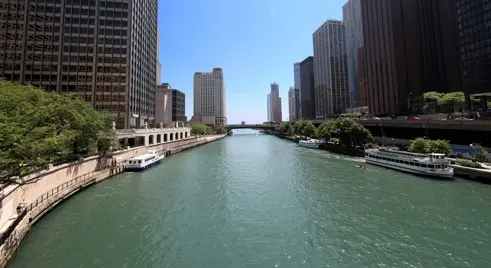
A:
{"x":309,"y":143}
{"x":433,"y":164}
{"x":142,"y":162}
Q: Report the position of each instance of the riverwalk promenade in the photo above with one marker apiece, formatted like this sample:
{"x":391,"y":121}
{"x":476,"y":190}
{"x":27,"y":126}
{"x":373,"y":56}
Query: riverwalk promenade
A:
{"x":42,"y":191}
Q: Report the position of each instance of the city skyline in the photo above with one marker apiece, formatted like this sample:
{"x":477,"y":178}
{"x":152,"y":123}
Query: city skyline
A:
{"x":81,"y":54}
{"x":249,"y":59}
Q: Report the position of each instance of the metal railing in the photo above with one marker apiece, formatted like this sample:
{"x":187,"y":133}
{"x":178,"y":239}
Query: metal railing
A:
{"x":77,"y":181}
{"x":6,"y":238}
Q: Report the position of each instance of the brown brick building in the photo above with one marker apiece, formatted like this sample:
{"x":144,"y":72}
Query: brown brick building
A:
{"x":410,"y":47}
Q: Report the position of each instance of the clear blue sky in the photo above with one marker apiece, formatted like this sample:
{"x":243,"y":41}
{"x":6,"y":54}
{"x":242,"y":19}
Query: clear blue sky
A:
{"x":255,"y":42}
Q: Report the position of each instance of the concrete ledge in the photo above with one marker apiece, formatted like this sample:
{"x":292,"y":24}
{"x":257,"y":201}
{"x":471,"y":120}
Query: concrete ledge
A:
{"x":481,"y":175}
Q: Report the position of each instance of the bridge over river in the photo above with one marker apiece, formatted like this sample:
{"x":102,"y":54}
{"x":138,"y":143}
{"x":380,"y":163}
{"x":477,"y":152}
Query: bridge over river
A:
{"x":253,"y":126}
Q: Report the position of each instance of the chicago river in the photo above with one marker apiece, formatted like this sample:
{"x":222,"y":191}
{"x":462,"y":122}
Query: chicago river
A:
{"x":253,"y":200}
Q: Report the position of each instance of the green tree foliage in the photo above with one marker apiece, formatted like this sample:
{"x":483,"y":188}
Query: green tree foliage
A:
{"x":221,"y":130}
{"x":419,"y":145}
{"x":425,"y":146}
{"x":324,"y":131}
{"x":439,"y":146}
{"x":304,"y":129}
{"x":39,"y":128}
{"x":466,"y":163}
{"x":200,"y":129}
{"x":432,"y":99}
{"x":286,"y":128}
{"x":298,"y":127}
{"x":452,"y":102}
{"x":351,"y":133}
{"x":308,"y":129}
{"x":481,"y":154}
{"x":346,"y":132}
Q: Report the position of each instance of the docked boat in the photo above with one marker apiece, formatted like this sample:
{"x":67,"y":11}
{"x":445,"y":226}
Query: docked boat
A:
{"x":434,"y":165}
{"x":309,"y":144}
{"x":142,"y":162}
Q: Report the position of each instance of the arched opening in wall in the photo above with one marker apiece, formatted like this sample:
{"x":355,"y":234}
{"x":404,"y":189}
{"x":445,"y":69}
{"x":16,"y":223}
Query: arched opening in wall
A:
{"x":151,"y":139}
{"x":171,"y":136}
{"x":185,"y":134}
{"x":177,"y":136}
{"x":181,"y":136}
{"x":159,"y":138}
{"x":165,"y":137}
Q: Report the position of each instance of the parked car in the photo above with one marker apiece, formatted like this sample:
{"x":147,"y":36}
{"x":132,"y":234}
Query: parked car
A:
{"x":413,"y":117}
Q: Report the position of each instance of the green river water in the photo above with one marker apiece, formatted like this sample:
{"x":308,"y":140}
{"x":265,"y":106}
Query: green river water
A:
{"x":259,"y":201}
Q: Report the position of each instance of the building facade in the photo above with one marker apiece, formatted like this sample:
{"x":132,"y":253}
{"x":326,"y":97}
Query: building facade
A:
{"x":307,"y":92}
{"x":330,"y":70}
{"x":354,"y":41}
{"x":269,"y":109}
{"x":296,"y":94}
{"x":163,"y":107}
{"x":474,"y":20}
{"x":178,"y":106}
{"x":102,"y":51}
{"x":210,"y":96}
{"x":276,"y":111}
{"x":158,"y":70}
{"x":416,"y":51}
{"x":292,"y":115}
{"x":296,"y":75}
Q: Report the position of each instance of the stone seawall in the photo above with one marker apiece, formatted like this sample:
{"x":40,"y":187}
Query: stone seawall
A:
{"x":47,"y":189}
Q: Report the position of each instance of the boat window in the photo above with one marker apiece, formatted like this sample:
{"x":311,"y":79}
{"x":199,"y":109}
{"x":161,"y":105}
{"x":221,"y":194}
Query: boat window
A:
{"x":431,"y":166}
{"x":424,"y":165}
{"x":412,"y":163}
{"x":139,"y":161}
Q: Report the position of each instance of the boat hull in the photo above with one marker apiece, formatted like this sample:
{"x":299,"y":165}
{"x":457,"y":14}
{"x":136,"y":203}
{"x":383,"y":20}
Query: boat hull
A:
{"x":309,"y":145}
{"x":408,"y":169}
{"x":141,"y":168}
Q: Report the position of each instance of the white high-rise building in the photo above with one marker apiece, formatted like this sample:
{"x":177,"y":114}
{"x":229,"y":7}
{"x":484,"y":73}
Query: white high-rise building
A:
{"x":276,"y":112}
{"x":209,"y":98}
{"x":330,"y":70}
{"x":294,"y":104}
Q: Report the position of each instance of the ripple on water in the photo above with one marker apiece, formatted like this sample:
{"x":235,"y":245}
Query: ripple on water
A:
{"x":258,"y":201}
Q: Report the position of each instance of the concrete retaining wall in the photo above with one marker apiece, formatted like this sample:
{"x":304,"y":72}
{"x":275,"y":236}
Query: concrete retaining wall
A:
{"x":75,"y":176}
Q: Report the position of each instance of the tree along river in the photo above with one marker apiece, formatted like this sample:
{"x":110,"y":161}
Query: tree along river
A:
{"x":259,"y":201}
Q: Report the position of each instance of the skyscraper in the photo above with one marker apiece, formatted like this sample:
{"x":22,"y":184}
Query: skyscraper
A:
{"x":85,"y":48}
{"x":292,"y":115}
{"x":209,"y":97}
{"x":474,"y":20}
{"x":159,"y":66}
{"x":178,"y":106}
{"x":330,"y":69}
{"x":307,"y":93}
{"x":296,"y":75}
{"x":354,"y":41}
{"x":269,"y":109}
{"x":416,"y":50}
{"x":276,"y":114}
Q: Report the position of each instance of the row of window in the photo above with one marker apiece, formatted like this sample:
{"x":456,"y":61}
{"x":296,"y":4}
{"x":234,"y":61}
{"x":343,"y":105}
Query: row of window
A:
{"x":409,"y":163}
